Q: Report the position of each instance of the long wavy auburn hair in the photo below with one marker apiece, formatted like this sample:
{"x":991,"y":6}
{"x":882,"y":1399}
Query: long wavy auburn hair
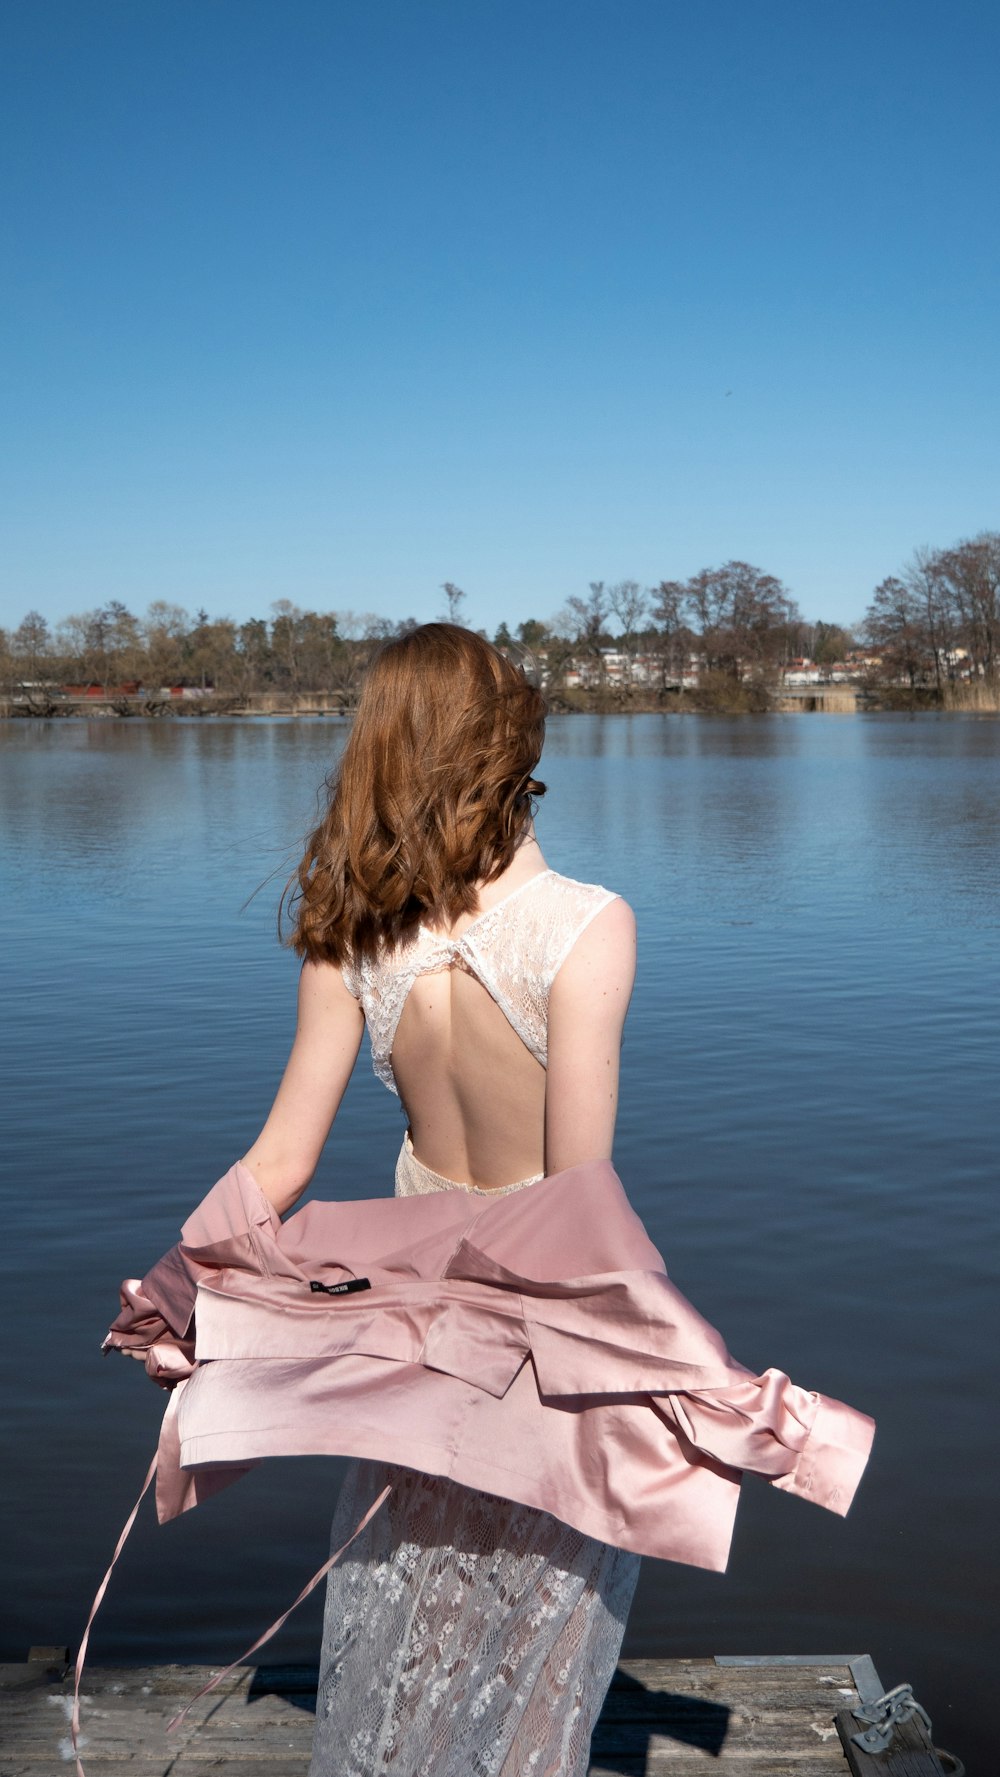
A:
{"x":432,"y":796}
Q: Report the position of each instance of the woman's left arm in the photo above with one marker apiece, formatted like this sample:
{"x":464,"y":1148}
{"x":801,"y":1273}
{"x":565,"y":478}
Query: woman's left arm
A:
{"x":327,"y":1039}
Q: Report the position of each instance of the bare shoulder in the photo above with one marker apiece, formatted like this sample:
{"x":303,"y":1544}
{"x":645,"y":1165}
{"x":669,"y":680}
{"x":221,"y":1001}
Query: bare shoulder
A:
{"x":323,"y":992}
{"x":602,"y":959}
{"x":587,"y":1008}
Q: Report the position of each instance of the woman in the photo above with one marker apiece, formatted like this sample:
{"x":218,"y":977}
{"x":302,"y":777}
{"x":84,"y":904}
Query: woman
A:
{"x":534,"y":1345}
{"x":463,"y":1633}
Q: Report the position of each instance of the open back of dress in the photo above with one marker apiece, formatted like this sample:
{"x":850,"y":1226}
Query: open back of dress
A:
{"x":515,"y":948}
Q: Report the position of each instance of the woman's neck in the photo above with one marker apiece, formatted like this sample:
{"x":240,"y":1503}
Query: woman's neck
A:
{"x":526,"y":862}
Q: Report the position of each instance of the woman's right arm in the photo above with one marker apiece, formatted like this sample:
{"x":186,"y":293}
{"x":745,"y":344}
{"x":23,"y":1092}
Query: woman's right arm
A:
{"x":327,"y":1039}
{"x":587,"y":1007}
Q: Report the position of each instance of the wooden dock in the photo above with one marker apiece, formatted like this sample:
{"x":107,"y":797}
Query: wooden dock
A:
{"x":734,"y":1717}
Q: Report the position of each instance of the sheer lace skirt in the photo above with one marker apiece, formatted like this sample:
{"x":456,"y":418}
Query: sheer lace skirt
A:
{"x":464,"y":1635}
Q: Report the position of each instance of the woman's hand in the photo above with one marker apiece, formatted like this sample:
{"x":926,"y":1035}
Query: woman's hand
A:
{"x":327,"y":1039}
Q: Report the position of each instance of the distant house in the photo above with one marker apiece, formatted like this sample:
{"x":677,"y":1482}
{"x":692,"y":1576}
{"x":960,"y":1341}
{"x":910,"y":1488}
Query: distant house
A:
{"x":127,"y":688}
{"x":803,"y":672}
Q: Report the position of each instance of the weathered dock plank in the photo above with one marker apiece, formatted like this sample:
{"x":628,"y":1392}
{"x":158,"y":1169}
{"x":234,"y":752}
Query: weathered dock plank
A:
{"x":680,"y":1716}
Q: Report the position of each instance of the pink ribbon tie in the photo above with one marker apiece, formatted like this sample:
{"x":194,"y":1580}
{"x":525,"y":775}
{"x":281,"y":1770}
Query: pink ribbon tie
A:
{"x":217,"y":1680}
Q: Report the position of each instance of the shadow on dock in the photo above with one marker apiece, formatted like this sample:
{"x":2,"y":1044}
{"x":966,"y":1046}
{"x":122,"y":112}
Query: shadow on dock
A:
{"x":644,"y":1710}
{"x":734,"y":1715}
{"x":632,"y":1710}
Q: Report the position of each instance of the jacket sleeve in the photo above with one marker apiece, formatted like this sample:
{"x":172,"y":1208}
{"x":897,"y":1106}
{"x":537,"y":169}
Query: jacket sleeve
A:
{"x":802,"y":1442}
{"x":157,"y":1313}
{"x":157,"y":1319}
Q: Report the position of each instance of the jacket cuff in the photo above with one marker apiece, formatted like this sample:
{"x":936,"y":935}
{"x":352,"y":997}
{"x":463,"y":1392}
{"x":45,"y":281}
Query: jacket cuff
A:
{"x":833,"y":1457}
{"x":172,"y":1286}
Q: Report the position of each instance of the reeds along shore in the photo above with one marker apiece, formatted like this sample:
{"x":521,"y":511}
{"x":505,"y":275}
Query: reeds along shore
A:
{"x":731,"y":698}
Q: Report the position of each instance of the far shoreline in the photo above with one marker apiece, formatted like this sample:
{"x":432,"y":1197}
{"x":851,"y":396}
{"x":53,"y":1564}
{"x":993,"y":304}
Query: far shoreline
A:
{"x":736,"y":699}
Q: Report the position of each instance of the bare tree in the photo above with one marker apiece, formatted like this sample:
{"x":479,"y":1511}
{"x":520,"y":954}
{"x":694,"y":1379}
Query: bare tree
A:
{"x":970,"y":575}
{"x":893,"y":625}
{"x":359,"y":636}
{"x":126,"y":656}
{"x":286,"y":638}
{"x":669,"y":612}
{"x":8,"y":671}
{"x":587,"y":619}
{"x":456,"y":599}
{"x":98,"y":647}
{"x":630,"y":603}
{"x":935,"y":611}
{"x":364,"y":626}
{"x":945,"y":601}
{"x":163,"y":633}
{"x":71,"y":644}
{"x":742,"y":615}
{"x":103,"y":645}
{"x":31,"y":644}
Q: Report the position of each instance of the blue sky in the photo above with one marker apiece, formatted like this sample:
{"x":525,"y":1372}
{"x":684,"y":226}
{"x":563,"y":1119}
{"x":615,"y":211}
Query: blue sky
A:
{"x":334,"y":302}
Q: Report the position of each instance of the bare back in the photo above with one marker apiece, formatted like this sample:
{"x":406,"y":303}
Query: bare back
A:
{"x":462,"y":1023}
{"x":474,"y":1094}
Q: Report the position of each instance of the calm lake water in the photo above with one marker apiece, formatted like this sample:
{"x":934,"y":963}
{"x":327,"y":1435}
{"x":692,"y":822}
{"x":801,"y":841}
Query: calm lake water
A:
{"x":808,"y":1127}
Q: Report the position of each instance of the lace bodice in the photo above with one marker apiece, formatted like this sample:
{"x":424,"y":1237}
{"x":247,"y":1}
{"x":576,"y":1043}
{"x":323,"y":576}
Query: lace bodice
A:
{"x":515,"y":948}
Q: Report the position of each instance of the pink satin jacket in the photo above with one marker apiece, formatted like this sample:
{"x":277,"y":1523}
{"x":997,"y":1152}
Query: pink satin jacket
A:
{"x":531,"y":1346}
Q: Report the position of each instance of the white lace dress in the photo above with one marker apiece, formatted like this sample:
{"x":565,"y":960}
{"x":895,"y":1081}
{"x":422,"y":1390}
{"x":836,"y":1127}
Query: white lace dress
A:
{"x":465,"y":1635}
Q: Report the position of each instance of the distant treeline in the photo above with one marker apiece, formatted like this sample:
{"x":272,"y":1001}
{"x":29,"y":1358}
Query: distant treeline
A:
{"x":939,"y":619}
